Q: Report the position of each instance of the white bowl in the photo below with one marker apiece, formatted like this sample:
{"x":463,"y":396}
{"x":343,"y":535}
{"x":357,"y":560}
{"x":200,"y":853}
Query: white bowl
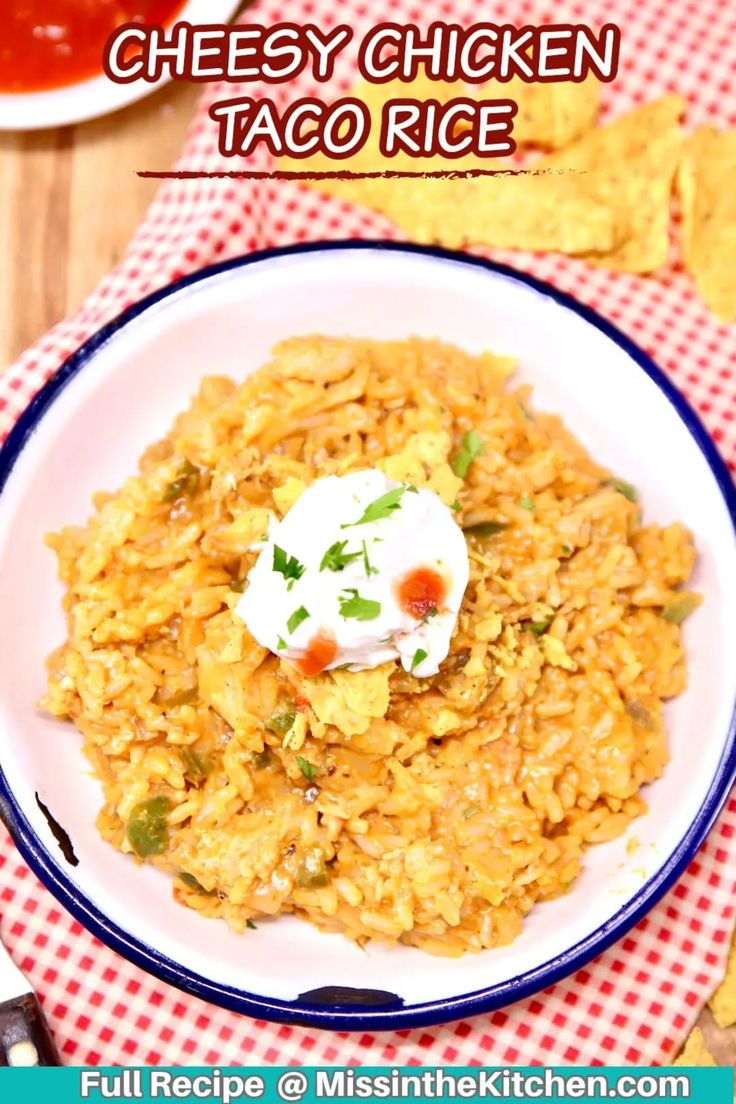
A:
{"x":88,"y":99}
{"x":121,"y":391}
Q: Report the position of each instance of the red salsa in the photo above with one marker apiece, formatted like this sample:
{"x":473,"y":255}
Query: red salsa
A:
{"x":320,"y":652}
{"x":53,"y":43}
{"x":421,"y":592}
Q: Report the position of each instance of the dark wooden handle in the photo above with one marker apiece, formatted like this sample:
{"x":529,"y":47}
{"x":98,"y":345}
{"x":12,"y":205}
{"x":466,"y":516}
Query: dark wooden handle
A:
{"x":25,"y":1039}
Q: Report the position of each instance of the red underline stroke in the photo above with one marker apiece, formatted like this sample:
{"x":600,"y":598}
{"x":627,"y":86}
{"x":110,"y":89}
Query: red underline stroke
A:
{"x":345,"y":174}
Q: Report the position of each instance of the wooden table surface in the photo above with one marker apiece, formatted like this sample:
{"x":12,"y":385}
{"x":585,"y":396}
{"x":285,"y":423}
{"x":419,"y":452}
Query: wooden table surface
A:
{"x":69,"y":202}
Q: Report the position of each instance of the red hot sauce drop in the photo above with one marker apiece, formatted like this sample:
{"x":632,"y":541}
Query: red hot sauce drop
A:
{"x":320,"y":652}
{"x":421,"y":592}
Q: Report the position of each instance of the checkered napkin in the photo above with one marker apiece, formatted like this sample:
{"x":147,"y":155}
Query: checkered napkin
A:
{"x":636,"y":1002}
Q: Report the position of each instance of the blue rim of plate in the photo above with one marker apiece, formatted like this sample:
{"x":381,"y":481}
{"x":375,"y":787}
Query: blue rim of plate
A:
{"x":339,"y":1017}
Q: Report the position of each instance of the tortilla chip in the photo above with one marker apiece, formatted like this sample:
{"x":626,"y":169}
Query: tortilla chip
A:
{"x":538,"y":213}
{"x":415,"y":204}
{"x":287,"y":494}
{"x":247,"y":528}
{"x":424,"y":463}
{"x":350,"y":701}
{"x":606,"y":197}
{"x":723,"y":1002}
{"x":695,"y":1052}
{"x":549,"y":116}
{"x":708,"y":196}
{"x":629,"y":168}
{"x":525,"y":212}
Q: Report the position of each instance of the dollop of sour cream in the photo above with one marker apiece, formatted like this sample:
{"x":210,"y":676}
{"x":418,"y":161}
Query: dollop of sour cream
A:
{"x":360,"y":571}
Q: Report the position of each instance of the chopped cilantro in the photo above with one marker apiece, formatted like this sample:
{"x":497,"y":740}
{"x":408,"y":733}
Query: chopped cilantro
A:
{"x":628,"y":490}
{"x":281,"y":644}
{"x":251,"y":925}
{"x":526,"y":502}
{"x":455,"y":506}
{"x":567,"y":550}
{"x":296,"y":618}
{"x":486,"y":528}
{"x":369,"y":569}
{"x":308,"y":769}
{"x":419,"y":656}
{"x":383,"y":506}
{"x":360,"y":609}
{"x":336,"y":558}
{"x":471,"y":446}
{"x":431,"y":612}
{"x":286,"y":565}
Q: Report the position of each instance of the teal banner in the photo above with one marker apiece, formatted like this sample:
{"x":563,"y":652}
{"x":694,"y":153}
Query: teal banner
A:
{"x":297,"y":1084}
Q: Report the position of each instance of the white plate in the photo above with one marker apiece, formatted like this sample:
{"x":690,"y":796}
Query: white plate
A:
{"x":121,"y":391}
{"x":88,"y":99}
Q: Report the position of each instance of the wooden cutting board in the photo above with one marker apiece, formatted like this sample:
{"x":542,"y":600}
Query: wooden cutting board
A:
{"x":69,"y":203}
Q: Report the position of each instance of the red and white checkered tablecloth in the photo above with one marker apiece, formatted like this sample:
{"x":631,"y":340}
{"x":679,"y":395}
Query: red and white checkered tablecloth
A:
{"x":636,"y":1002}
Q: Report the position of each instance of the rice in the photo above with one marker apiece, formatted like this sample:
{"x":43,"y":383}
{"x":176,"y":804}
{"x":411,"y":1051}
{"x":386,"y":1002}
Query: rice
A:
{"x":475,"y":793}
